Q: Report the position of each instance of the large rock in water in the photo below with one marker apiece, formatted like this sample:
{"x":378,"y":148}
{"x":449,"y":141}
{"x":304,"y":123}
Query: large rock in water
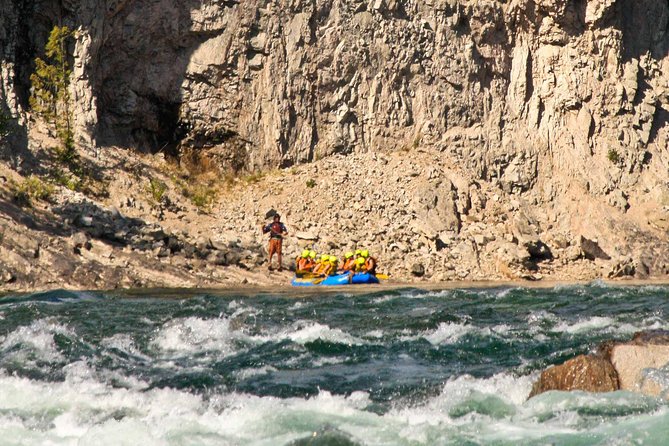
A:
{"x":640,"y":365}
{"x":589,"y":373}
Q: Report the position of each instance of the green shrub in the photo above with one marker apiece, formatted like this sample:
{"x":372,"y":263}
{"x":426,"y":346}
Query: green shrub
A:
{"x":71,"y":182}
{"x":613,"y":156}
{"x":311,"y":183}
{"x":32,"y":188}
{"x":157,"y":189}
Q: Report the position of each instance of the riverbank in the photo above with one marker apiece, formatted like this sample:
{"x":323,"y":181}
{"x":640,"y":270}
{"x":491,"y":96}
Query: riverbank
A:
{"x":137,"y":224}
{"x":284,"y":289}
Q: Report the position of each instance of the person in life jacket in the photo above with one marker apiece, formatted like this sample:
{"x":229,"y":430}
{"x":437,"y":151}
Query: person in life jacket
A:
{"x":330,"y":266}
{"x":302,"y":262}
{"x":311,"y":261}
{"x":320,"y":264}
{"x":370,"y":262}
{"x":349,"y":262}
{"x":277,"y":231}
{"x":359,"y":264}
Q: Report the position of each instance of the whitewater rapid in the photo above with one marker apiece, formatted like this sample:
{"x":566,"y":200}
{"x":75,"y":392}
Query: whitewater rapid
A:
{"x":406,"y":368}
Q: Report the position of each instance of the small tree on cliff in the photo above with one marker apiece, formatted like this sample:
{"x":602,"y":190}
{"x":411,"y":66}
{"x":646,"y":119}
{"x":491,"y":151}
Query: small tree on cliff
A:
{"x":50,"y":97}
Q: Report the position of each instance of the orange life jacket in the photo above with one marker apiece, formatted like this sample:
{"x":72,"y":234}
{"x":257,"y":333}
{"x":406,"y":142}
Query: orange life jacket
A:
{"x":309,"y":265}
{"x":349,"y":265}
{"x":303,"y":264}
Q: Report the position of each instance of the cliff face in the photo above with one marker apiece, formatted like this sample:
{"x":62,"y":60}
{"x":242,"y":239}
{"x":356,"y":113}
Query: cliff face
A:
{"x":284,"y":82}
{"x":544,"y":100}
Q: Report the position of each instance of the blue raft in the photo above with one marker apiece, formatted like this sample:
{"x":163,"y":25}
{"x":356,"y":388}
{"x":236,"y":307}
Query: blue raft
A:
{"x":339,"y":279}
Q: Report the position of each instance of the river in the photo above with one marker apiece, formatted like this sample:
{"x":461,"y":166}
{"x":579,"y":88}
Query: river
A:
{"x":377,"y":367}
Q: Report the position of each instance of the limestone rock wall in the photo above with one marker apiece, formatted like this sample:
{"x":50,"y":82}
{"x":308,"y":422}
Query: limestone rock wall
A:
{"x":499,"y":84}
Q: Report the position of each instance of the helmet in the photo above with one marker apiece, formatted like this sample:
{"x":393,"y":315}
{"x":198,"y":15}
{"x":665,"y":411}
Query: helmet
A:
{"x":360,"y":261}
{"x":357,"y":252}
{"x":348,"y":255}
{"x":312,"y":254}
{"x":364,"y":253}
{"x":305,"y":253}
{"x":324,"y":258}
{"x":333,"y":259}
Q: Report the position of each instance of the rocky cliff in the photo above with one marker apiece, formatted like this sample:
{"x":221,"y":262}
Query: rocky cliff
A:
{"x":542,"y":124}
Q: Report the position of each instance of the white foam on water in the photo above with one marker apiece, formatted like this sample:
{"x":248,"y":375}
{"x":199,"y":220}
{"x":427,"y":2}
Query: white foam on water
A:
{"x":251,"y":372}
{"x":599,"y":283}
{"x":499,"y":293}
{"x":541,"y":316}
{"x":374,"y":334}
{"x":508,"y":387}
{"x":303,"y":333}
{"x":448,"y":333}
{"x":595,"y":323}
{"x":297,"y":305}
{"x":386,"y":298}
{"x":195,"y":335}
{"x":475,"y":408}
{"x":452,"y":332}
{"x":233,"y":305}
{"x":84,"y":411}
{"x":328,"y":360}
{"x":420,"y":294}
{"x":124,"y":343}
{"x":36,"y":341}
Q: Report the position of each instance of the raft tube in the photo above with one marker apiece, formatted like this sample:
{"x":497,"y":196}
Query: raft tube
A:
{"x":339,"y":279}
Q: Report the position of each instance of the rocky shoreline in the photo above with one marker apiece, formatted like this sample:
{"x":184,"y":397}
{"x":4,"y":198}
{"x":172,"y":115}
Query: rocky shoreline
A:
{"x":426,"y":222}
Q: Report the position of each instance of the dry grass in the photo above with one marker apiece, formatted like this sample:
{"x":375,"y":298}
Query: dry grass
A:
{"x":199,"y":178}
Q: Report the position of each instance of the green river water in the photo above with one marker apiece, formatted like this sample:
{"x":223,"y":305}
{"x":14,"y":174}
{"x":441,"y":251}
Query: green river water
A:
{"x":377,"y":367}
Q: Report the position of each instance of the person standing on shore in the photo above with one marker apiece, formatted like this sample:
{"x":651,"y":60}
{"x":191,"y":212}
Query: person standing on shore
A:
{"x":277,"y":231}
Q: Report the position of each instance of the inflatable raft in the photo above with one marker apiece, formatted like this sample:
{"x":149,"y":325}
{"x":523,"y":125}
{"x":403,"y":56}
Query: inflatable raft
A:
{"x":339,"y":279}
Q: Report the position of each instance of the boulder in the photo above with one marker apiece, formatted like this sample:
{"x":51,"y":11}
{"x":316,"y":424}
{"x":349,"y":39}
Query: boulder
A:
{"x":435,"y":209}
{"x":85,"y":220}
{"x":623,"y":268}
{"x":538,"y":250}
{"x":589,"y":373}
{"x":591,"y":250}
{"x":232,"y":258}
{"x":418,"y":270}
{"x":7,"y":276}
{"x":642,"y":363}
{"x":80,"y":240}
{"x":306,"y":235}
{"x":641,"y":269}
